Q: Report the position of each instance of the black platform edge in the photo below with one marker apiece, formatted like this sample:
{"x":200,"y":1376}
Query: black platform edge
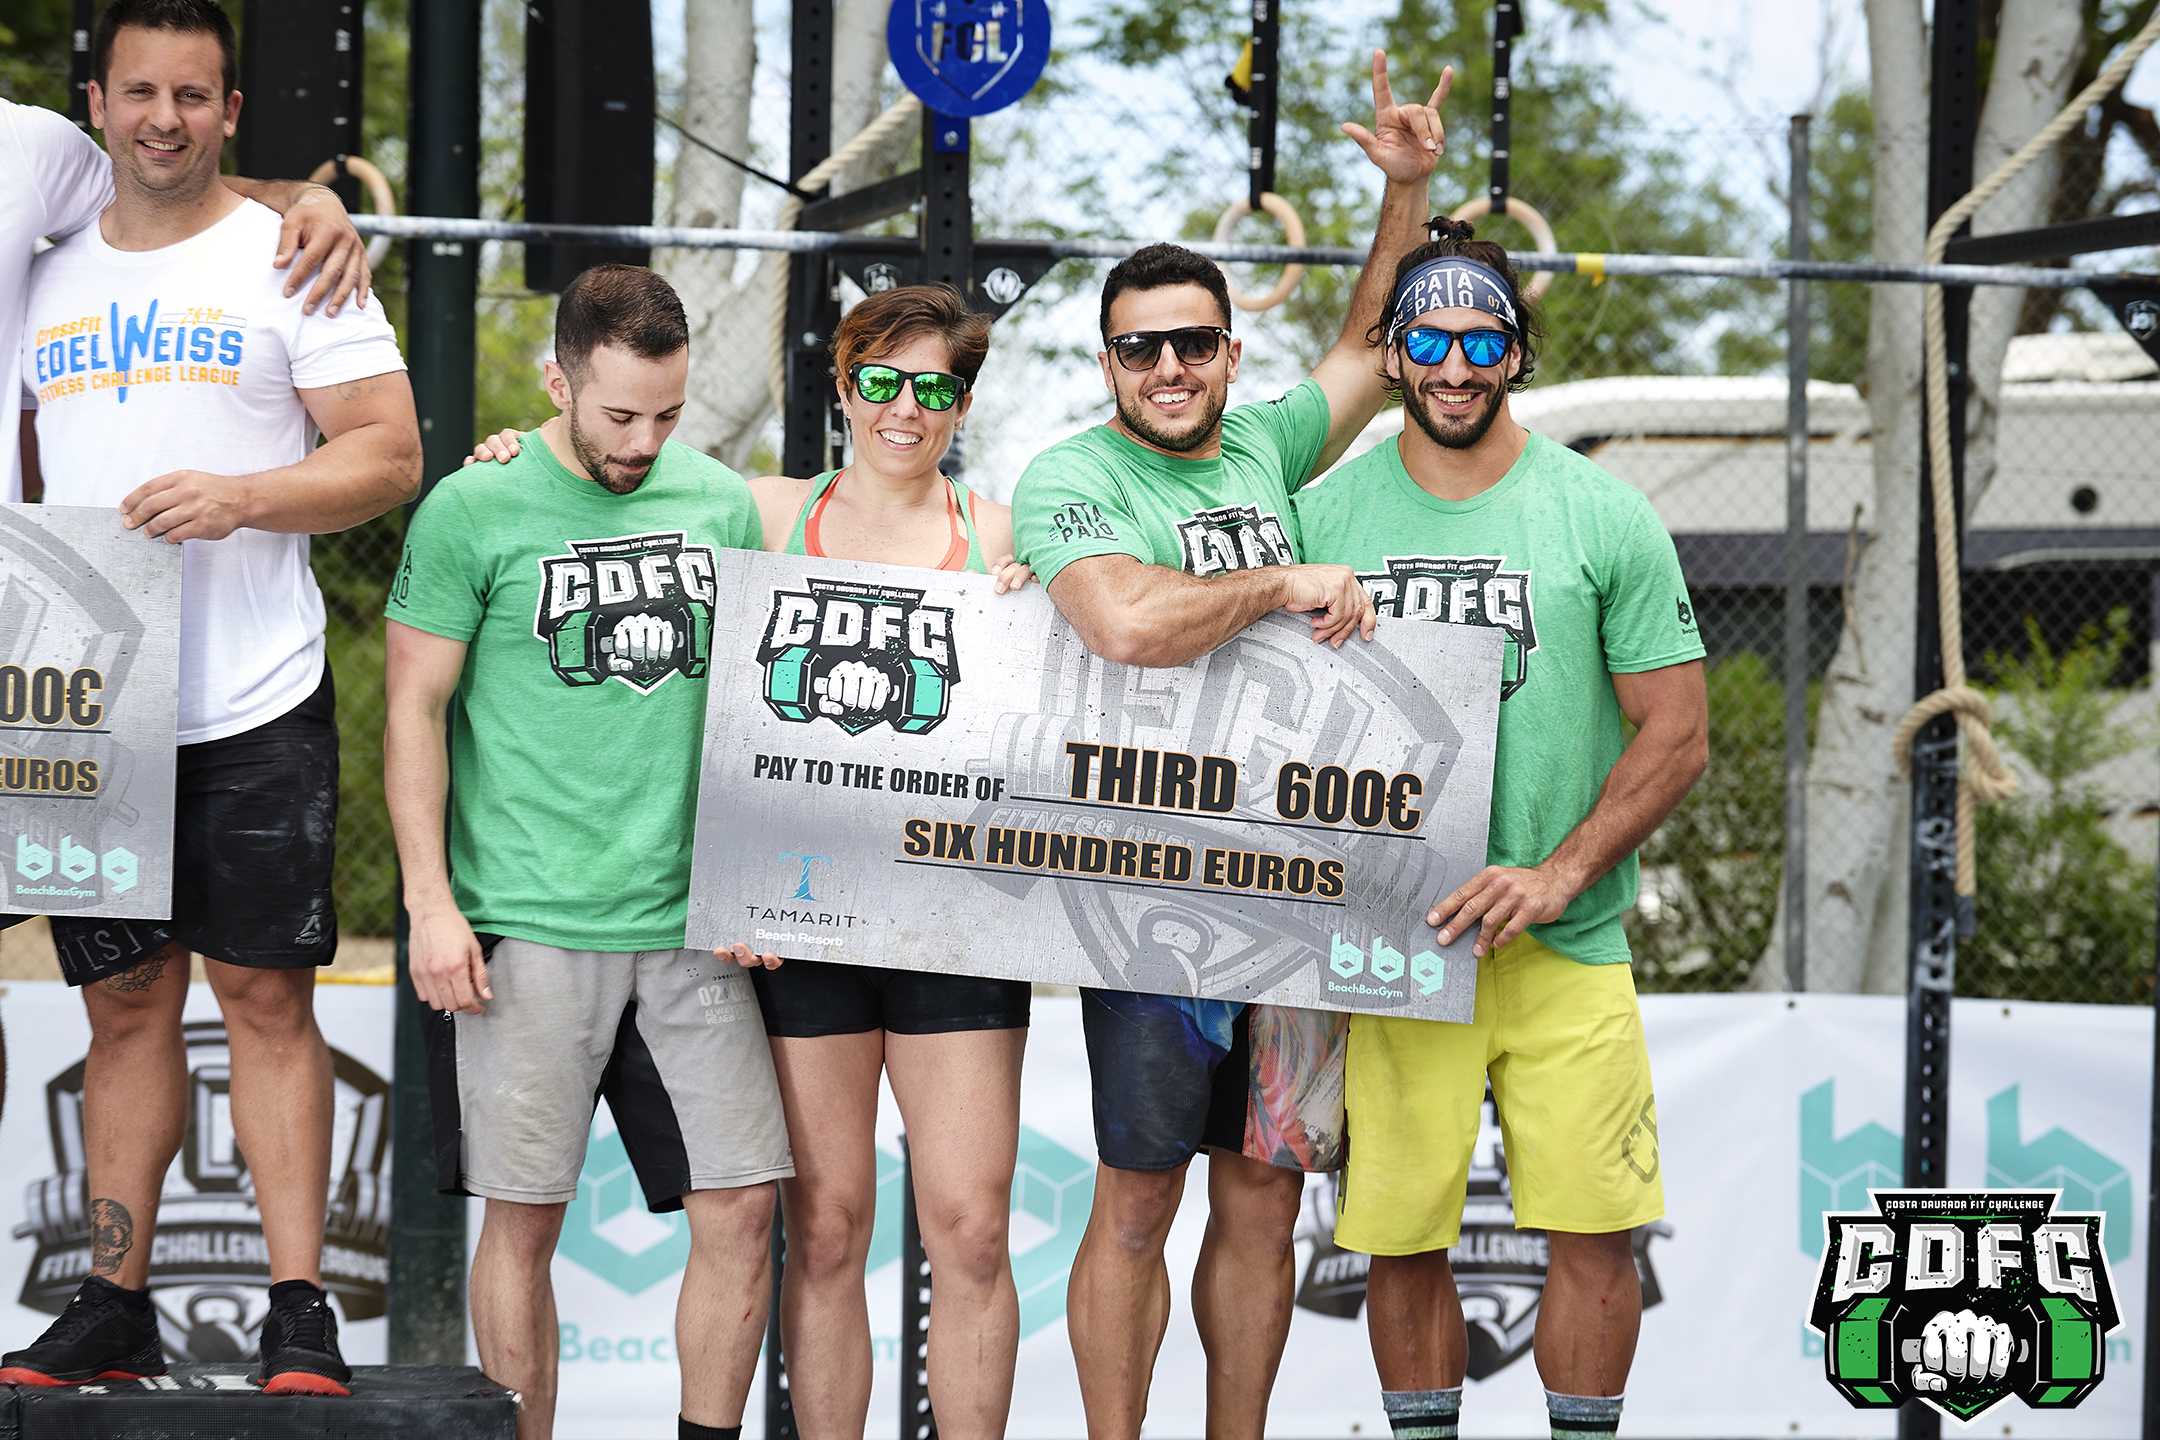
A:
{"x":215,"y":1402}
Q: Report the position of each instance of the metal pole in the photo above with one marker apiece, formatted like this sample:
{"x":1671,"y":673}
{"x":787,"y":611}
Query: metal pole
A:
{"x":808,"y":423}
{"x":917,"y":1420}
{"x":1260,"y":129}
{"x":1796,"y":571}
{"x":1935,"y":922}
{"x":427,"y":1230}
{"x":2151,"y":1427}
{"x":79,"y":76}
{"x":1507,"y":24}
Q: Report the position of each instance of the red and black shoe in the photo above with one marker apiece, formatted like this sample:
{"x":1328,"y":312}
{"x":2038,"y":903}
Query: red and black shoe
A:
{"x":105,"y":1333}
{"x":299,"y":1344}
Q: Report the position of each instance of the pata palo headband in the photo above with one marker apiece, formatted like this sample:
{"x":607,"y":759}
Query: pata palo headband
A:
{"x":1449,"y":282}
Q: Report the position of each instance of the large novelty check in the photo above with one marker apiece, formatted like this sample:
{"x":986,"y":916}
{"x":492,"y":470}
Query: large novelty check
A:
{"x":89,"y":648}
{"x":904,"y":769}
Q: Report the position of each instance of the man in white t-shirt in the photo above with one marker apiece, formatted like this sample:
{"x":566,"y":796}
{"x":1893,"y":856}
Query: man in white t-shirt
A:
{"x":56,"y":181}
{"x":174,"y":380}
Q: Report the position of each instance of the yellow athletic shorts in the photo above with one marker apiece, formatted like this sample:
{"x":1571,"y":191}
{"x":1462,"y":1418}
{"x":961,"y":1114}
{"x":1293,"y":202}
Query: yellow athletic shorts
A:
{"x":1563,"y":1046}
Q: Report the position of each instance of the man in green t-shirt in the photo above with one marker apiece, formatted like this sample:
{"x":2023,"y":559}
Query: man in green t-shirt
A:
{"x":1471,"y":519}
{"x":565,"y":599}
{"x":1160,"y":535}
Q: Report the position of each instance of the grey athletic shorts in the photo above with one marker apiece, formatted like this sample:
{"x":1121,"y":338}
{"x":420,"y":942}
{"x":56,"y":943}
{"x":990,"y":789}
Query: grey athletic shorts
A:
{"x":672,"y":1039}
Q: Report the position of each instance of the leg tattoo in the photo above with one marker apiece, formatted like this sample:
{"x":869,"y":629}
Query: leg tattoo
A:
{"x":112,"y":1235}
{"x":141,"y":977}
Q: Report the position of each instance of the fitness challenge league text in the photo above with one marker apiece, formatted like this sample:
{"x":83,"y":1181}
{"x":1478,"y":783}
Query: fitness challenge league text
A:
{"x":89,"y":647}
{"x":909,"y":770}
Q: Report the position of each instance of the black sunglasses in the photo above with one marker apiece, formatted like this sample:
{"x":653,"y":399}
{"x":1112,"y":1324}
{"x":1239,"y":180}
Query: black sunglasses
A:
{"x":1194,"y":344}
{"x":880,"y":385}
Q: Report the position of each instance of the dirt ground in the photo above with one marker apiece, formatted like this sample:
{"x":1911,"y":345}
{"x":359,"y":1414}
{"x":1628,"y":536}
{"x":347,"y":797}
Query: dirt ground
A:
{"x":26,"y":953}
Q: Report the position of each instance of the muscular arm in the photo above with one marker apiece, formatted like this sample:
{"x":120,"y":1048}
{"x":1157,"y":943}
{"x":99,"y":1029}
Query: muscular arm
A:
{"x":1670,"y":709}
{"x":369,"y":462}
{"x":420,"y":674}
{"x":1148,"y":615}
{"x":1404,"y":143}
{"x":1349,"y":373}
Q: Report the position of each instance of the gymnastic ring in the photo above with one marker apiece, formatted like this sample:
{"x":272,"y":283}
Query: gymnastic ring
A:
{"x":1522,"y":211}
{"x":1293,"y":234}
{"x":378,"y":188}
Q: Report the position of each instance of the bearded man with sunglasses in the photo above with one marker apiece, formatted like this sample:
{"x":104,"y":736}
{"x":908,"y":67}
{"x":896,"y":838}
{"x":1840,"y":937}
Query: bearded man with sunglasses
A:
{"x":1161,"y":535}
{"x":1500,"y":526}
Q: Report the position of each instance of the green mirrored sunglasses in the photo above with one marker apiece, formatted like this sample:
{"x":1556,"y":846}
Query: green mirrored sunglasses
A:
{"x":880,"y":384}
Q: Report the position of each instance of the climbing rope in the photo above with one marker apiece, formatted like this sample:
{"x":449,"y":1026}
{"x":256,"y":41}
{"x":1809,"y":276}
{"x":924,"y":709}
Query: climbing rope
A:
{"x":903,"y":112}
{"x":1984,"y":777}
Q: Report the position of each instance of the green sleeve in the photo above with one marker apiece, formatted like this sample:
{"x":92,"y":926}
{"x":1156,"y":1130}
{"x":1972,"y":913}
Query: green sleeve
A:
{"x":442,"y":584}
{"x":1298,"y":424}
{"x":744,"y":530}
{"x":1068,"y":507}
{"x":1647,"y":619}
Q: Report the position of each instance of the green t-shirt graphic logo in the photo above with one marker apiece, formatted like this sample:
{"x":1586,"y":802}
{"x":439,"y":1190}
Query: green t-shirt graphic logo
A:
{"x":1461,"y":590}
{"x":1232,"y":537}
{"x":637,"y":608}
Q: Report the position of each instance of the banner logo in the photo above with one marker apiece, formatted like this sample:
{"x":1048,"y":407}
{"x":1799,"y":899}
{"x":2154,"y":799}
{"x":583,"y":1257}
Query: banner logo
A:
{"x":1232,"y":537}
{"x":209,"y":1268}
{"x":860,"y":655}
{"x":637,"y":608}
{"x":609,"y":1232}
{"x":1961,"y":1298}
{"x":1462,"y":590}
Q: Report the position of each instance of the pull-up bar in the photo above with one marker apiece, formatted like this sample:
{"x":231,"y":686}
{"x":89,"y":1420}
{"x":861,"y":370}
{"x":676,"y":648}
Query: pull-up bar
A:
{"x":1590,"y":264}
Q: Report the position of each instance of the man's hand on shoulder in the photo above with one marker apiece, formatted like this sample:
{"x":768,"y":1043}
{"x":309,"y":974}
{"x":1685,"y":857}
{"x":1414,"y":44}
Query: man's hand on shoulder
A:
{"x":317,"y":239}
{"x":188,"y":505}
{"x":1405,"y":141}
{"x":502,"y":447}
{"x":1331,"y":597}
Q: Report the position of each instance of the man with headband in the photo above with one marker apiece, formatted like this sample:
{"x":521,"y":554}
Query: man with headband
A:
{"x":1161,"y":535}
{"x":1469,"y":518}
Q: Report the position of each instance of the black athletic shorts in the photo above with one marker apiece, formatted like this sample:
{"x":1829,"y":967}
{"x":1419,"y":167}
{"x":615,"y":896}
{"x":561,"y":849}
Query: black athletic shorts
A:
{"x":805,"y":998}
{"x":254,"y":834}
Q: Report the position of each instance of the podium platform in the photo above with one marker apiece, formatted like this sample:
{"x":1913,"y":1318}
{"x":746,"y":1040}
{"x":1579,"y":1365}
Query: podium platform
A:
{"x":216,"y":1402}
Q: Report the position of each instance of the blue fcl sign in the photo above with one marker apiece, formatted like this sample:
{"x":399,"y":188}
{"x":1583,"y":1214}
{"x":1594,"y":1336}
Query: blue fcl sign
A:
{"x":969,"y":57}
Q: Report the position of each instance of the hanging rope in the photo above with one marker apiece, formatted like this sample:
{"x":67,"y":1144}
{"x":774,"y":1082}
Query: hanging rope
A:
{"x":1984,"y":776}
{"x":870,"y":137}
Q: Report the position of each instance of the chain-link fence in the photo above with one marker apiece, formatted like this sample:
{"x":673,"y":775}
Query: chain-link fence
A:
{"x":1679,"y":386}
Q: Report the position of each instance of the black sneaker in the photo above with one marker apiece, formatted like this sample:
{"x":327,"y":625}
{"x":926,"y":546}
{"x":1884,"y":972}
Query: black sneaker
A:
{"x":299,"y":1344}
{"x":106,"y":1333}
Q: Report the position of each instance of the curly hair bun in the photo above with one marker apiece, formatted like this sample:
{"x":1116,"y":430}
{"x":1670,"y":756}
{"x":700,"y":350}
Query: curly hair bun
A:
{"x":1440,"y":227}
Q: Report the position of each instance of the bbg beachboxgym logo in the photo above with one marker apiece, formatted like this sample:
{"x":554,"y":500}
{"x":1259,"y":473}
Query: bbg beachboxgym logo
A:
{"x":636,"y":608}
{"x":1232,"y":537}
{"x":860,"y":655}
{"x":71,"y":871}
{"x":1382,"y":971}
{"x":609,"y":1232}
{"x":1462,"y":590}
{"x":1961,"y":1298}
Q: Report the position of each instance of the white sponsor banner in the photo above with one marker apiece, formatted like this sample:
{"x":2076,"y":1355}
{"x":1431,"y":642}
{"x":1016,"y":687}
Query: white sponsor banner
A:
{"x":1771,"y":1109}
{"x":209,"y":1275}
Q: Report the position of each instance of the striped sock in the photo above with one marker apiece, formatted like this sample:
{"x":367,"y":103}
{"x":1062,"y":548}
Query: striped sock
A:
{"x":1583,"y":1417}
{"x":1422,"y":1414}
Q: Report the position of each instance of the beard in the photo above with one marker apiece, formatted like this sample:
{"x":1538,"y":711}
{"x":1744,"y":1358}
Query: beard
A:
{"x":1196,"y":433}
{"x":1452,"y":433}
{"x":613,"y":476}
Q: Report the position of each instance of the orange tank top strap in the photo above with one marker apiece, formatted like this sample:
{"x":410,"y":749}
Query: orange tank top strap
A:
{"x":956,"y":553}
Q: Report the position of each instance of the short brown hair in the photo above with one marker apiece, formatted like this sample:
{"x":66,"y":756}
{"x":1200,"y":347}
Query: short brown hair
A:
{"x":624,"y":305}
{"x":1452,"y":238}
{"x":184,"y":17}
{"x":892,"y":317}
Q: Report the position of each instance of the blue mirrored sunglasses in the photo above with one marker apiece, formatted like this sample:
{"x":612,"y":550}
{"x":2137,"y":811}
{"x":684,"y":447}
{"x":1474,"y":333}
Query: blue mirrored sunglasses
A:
{"x":1428,"y":345}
